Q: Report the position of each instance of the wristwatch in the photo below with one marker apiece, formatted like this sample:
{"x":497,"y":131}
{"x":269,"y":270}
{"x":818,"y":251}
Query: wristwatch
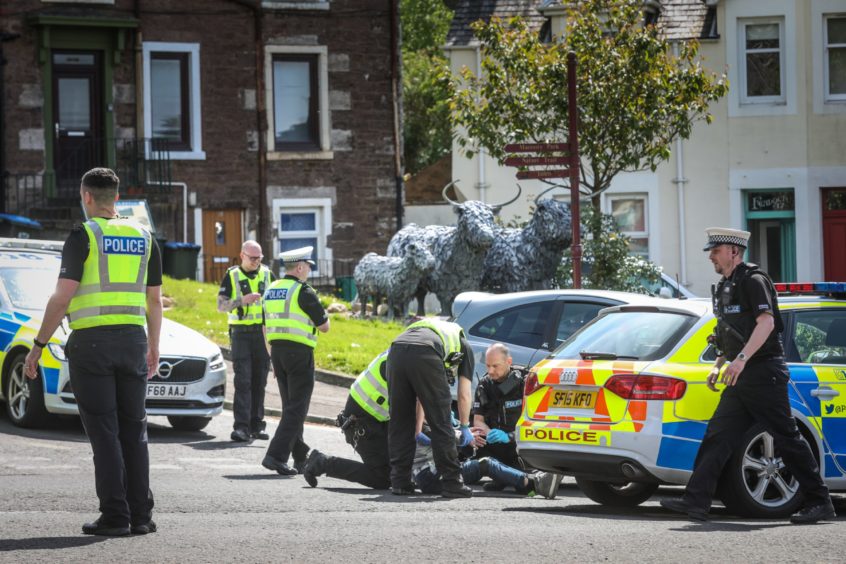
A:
{"x":38,"y":343}
{"x":742,"y":356}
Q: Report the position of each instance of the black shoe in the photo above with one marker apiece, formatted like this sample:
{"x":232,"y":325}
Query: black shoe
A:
{"x":456,"y":489}
{"x":260,"y":435}
{"x":314,"y":467}
{"x":681,"y":506}
{"x":814,"y":513}
{"x":240,"y":436}
{"x":278,"y":466}
{"x":299,"y":465}
{"x":144,"y":528}
{"x":96,"y":528}
{"x":403,"y":490}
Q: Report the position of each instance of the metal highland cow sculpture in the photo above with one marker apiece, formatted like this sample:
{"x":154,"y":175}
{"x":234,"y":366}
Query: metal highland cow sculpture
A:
{"x":396,"y":278}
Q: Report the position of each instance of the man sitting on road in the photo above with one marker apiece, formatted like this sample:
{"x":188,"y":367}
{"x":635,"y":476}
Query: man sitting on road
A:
{"x":497,"y":407}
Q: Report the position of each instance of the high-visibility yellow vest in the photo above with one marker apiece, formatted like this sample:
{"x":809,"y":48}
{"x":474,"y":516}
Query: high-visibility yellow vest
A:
{"x":113,"y":289}
{"x":449,"y":332}
{"x":252,"y":314}
{"x":283,"y":317}
{"x":370,"y":390}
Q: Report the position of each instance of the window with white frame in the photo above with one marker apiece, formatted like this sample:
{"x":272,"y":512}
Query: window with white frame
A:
{"x":762,"y":61}
{"x":297,"y":93}
{"x":835,"y":57}
{"x":305,"y":222}
{"x":630,"y":212}
{"x":172,"y":99}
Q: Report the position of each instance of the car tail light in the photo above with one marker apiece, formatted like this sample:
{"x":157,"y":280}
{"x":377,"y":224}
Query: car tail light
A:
{"x":645,"y":387}
{"x":531,"y":384}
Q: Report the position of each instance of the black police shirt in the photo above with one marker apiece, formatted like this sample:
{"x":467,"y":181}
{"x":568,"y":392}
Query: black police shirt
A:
{"x":751,"y":298}
{"x":76,"y":250}
{"x":500,"y":403}
{"x":426,"y":336}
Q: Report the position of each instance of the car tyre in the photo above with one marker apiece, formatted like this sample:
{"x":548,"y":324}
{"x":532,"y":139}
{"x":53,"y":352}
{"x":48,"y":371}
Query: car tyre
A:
{"x":188,"y":423}
{"x":627,"y":494}
{"x":756,"y":483}
{"x":24,"y":397}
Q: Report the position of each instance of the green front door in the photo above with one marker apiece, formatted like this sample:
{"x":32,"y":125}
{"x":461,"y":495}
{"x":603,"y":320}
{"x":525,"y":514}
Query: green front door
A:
{"x":771,"y":218}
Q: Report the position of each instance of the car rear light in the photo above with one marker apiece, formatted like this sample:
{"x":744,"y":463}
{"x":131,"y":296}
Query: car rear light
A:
{"x":645,"y":387}
{"x":531,"y":384}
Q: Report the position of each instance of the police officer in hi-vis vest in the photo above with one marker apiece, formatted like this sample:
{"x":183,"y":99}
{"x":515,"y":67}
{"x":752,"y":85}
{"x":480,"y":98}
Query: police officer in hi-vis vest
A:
{"x":293,"y":316}
{"x":748,"y":336}
{"x":110,"y":287}
{"x":240,"y":297}
{"x":421,"y":363}
{"x":364,"y":422}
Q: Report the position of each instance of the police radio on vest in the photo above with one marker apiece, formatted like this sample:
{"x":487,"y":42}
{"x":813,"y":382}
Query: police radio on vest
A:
{"x":113,"y":245}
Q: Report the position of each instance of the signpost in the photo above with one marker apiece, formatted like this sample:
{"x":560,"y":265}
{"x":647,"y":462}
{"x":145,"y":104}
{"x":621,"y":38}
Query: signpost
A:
{"x":569,"y":155}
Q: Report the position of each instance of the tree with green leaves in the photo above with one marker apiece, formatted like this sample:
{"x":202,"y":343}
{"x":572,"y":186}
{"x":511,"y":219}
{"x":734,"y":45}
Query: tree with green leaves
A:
{"x":427,"y":133}
{"x":635,"y":96}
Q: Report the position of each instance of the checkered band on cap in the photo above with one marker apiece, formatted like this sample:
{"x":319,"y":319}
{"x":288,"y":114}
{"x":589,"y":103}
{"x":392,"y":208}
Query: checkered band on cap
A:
{"x":724,"y":236}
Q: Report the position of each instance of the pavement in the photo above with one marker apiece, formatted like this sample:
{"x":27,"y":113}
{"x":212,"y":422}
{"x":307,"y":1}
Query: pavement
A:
{"x":328,"y":399}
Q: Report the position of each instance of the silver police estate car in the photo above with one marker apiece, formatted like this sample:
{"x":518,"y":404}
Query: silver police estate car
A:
{"x":188,"y":387}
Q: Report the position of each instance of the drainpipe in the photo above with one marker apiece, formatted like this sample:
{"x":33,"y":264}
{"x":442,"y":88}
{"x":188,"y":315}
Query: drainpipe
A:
{"x":4,"y":37}
{"x":680,"y":181}
{"x":396,"y":87}
{"x":483,"y":185}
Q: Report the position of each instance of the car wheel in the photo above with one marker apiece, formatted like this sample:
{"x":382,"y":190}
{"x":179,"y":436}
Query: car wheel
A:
{"x":187,"y":423}
{"x":24,"y":397}
{"x":627,"y":494}
{"x":756,"y":482}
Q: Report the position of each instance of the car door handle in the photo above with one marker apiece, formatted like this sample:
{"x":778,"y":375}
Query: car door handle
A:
{"x":825,"y":393}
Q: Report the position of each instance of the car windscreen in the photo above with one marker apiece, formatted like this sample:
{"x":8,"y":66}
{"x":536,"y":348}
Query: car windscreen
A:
{"x":630,"y":335}
{"x":29,"y":288}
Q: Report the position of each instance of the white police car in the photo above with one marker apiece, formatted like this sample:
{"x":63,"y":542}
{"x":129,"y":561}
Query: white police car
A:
{"x":188,"y":387}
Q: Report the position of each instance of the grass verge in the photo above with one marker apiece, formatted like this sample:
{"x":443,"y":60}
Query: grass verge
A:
{"x":348,"y":347}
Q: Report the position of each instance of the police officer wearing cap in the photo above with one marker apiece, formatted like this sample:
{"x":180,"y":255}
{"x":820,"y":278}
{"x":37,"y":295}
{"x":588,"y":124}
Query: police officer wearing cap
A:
{"x":293,"y":316}
{"x":748,"y":336}
{"x":421,"y":363}
{"x":240,"y":297}
{"x":110,"y":287}
{"x":497,"y":407}
{"x":364,"y":422}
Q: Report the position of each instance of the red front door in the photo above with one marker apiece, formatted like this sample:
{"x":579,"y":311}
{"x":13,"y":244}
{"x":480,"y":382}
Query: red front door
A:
{"x":834,"y":234}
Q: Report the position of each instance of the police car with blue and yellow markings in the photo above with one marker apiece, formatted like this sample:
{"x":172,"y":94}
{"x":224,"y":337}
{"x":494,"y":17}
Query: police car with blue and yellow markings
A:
{"x":188,"y":387}
{"x":623,"y":404}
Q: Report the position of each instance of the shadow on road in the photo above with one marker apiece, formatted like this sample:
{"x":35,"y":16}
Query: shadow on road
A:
{"x":265,"y":476}
{"x":48,"y":543}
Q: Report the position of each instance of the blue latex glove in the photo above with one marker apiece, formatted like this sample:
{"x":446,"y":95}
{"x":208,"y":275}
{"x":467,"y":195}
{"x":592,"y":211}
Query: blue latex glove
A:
{"x":466,"y":436}
{"x":497,"y":436}
{"x":423,"y":440}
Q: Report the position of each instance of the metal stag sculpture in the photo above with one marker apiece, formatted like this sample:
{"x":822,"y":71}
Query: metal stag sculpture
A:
{"x":459,"y":251}
{"x":527,"y":258}
{"x":396,"y":278}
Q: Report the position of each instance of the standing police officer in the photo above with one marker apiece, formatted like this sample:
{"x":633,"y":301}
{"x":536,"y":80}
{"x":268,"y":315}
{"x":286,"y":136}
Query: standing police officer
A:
{"x":421,"y":363}
{"x":110,"y":286}
{"x":747,"y":334}
{"x":240,"y":296}
{"x":364,"y":422}
{"x":498,"y":405}
{"x":293,"y":315}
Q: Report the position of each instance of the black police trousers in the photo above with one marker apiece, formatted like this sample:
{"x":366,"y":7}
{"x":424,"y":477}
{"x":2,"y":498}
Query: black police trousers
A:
{"x":293,"y":365}
{"x":369,"y":438}
{"x":759,"y":396}
{"x":108,"y":373}
{"x":416,"y":372}
{"x":250,"y":363}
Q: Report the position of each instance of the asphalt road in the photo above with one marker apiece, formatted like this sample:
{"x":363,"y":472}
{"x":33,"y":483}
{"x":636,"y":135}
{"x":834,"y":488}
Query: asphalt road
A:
{"x":214,"y":502}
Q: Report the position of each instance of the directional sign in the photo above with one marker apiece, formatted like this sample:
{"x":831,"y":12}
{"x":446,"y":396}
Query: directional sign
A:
{"x":536,"y":147}
{"x":553,"y":173}
{"x":530,"y":161}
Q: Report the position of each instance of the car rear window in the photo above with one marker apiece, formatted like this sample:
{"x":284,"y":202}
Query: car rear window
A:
{"x":641,"y":335}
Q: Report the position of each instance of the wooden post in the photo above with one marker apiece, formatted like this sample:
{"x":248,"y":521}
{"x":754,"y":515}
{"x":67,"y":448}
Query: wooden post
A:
{"x":573,"y":118}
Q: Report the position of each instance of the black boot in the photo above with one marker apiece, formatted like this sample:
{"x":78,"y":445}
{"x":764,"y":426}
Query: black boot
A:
{"x":315,"y":466}
{"x":813,"y":513}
